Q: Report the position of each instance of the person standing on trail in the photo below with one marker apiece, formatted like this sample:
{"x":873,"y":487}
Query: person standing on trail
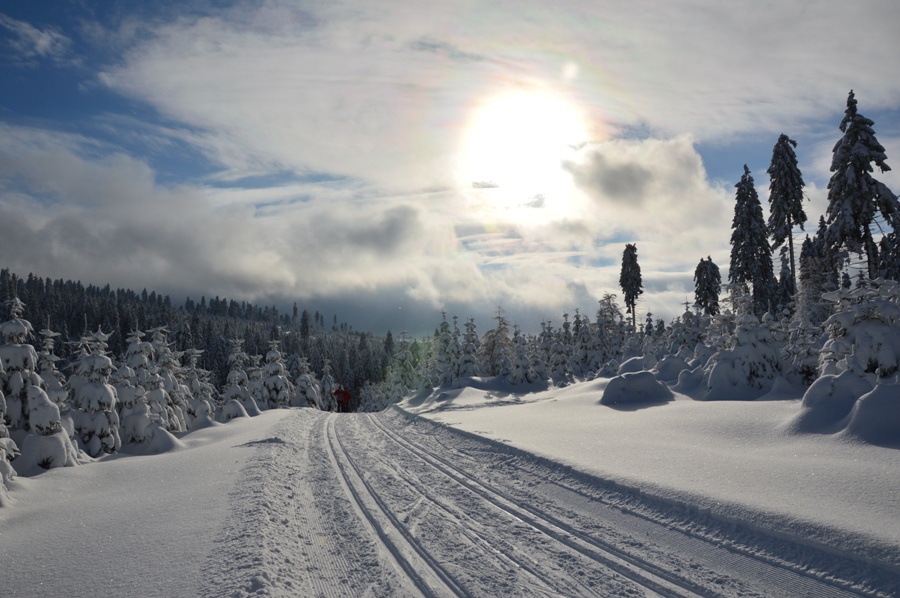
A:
{"x":342,"y":397}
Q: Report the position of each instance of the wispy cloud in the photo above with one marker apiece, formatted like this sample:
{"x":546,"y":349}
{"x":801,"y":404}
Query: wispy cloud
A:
{"x":28,"y":45}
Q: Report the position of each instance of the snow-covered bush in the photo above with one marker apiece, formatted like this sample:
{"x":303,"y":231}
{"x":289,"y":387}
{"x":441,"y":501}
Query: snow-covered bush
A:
{"x":635,"y":388}
{"x":749,"y":362}
{"x":857,"y":392}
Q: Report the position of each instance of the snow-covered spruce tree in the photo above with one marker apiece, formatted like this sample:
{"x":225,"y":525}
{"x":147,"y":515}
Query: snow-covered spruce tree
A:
{"x":746,"y":367}
{"x":468,"y":360}
{"x":279,"y":388}
{"x":785,"y":290}
{"x":237,"y":401}
{"x":168,"y":368}
{"x":610,"y":335}
{"x":560,"y":373}
{"x":54,"y":382}
{"x":585,"y":358}
{"x":520,"y":370}
{"x":328,"y":386}
{"x":818,"y":275}
{"x":307,"y":386}
{"x":19,"y":360}
{"x":858,"y":384}
{"x":202,"y":401}
{"x":97,"y":422}
{"x":255,"y":384}
{"x":496,"y":349}
{"x":707,"y":286}
{"x":854,"y":196}
{"x":9,"y":450}
{"x":802,"y":347}
{"x":785,"y":198}
{"x":889,"y":256}
{"x":630,"y":281}
{"x":48,"y":445}
{"x":443,"y":362}
{"x":538,"y":358}
{"x":751,"y":256}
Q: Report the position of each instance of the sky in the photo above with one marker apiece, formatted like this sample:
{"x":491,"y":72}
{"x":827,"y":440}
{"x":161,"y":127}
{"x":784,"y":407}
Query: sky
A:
{"x":384,"y":161}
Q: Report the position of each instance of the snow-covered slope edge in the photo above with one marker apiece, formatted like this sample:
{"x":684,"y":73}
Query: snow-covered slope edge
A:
{"x":805,"y":544}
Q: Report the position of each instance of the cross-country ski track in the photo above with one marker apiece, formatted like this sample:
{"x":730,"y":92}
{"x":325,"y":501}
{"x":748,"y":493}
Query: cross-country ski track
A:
{"x":393,"y":505}
{"x":305,"y":503}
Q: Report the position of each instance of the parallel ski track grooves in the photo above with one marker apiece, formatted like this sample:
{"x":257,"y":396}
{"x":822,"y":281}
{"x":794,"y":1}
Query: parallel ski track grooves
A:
{"x":357,"y":486}
{"x":643,"y":573}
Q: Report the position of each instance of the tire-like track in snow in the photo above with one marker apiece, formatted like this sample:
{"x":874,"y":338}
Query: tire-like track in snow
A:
{"x":645,"y":574}
{"x":389,"y":504}
{"x":423,"y":570}
{"x":646,"y":549}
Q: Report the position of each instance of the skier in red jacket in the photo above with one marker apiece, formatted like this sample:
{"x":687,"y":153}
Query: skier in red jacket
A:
{"x":342,"y":396}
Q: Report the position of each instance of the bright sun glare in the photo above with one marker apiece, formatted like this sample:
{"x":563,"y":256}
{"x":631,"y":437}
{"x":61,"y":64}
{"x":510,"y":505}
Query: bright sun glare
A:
{"x":514,"y":146}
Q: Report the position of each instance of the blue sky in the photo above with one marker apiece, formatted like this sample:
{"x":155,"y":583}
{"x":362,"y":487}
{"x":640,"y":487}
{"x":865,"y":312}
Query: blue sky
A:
{"x":385,"y":160}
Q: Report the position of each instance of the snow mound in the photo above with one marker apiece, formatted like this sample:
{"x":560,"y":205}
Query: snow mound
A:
{"x":670,"y":367}
{"x":635,"y":388}
{"x":875,"y":417}
{"x":40,"y":453}
{"x":161,"y":441}
{"x":828,"y":402}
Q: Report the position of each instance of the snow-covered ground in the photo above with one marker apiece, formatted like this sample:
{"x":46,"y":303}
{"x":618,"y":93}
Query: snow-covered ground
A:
{"x":678,"y":497}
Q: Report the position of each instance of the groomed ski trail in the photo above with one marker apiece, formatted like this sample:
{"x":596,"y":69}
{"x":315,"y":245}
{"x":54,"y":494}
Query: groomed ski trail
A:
{"x":393,"y":505}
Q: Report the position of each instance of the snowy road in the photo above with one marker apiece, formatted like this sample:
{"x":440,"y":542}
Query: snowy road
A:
{"x":386,"y":505}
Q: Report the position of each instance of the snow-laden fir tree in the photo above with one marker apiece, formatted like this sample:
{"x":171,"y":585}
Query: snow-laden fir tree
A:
{"x":784,"y":288}
{"x":496,"y":349}
{"x":255,"y":385}
{"x":538,"y":360}
{"x":785,"y":198}
{"x":468,"y":357}
{"x":54,"y":382}
{"x":236,"y":397}
{"x":560,"y":373}
{"x":97,"y":422}
{"x":307,"y":394}
{"x":857,"y":389}
{"x":630,"y":280}
{"x":610,"y":331}
{"x":520,"y":370}
{"x":746,"y":366}
{"x":443,"y":362}
{"x":279,"y":388}
{"x":818,"y":274}
{"x":751,"y":256}
{"x":585,"y":358}
{"x":19,"y":360}
{"x":202,"y":400}
{"x":328,"y":386}
{"x":854,"y":195}
{"x":889,"y":256}
{"x":707,"y":286}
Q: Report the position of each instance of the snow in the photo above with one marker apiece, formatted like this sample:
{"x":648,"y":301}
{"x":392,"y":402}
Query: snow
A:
{"x":209,"y":515}
{"x":740,"y":459}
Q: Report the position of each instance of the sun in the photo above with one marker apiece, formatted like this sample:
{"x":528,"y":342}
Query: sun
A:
{"x":514,"y":145}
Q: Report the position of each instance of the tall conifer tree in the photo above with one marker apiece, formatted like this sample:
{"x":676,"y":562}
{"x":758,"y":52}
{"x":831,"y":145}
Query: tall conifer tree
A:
{"x":751,"y":256}
{"x":630,"y":280}
{"x":785,"y":198}
{"x":854,"y":196}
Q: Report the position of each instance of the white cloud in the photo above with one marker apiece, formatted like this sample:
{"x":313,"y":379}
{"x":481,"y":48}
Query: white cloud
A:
{"x":28,"y":45}
{"x":368,"y":105}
